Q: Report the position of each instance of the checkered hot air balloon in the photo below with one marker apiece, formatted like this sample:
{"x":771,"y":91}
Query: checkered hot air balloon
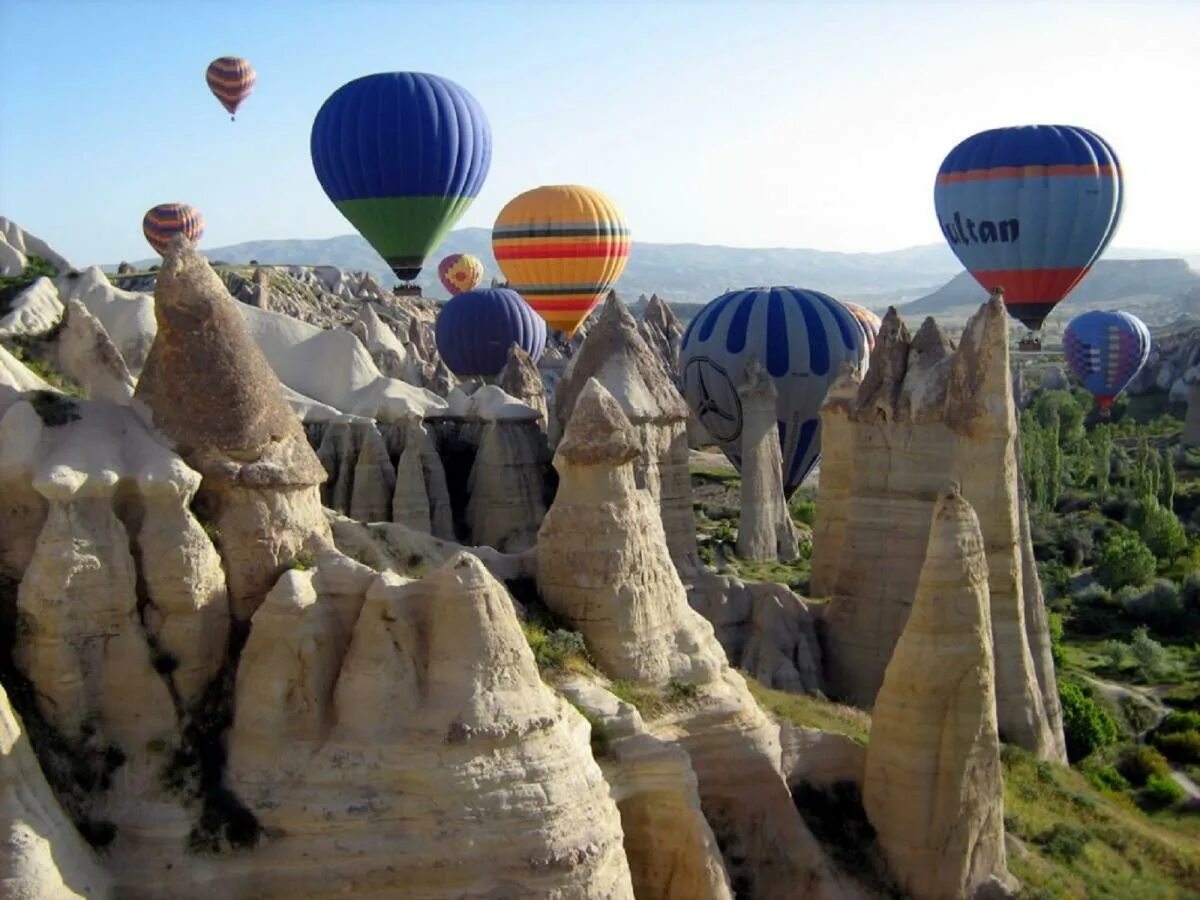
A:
{"x":1106,"y":350}
{"x":231,"y":79}
{"x":1029,"y":210}
{"x":166,"y":220}
{"x":460,"y":272}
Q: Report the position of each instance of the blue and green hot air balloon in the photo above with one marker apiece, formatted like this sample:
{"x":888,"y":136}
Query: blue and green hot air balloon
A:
{"x":1029,"y":209}
{"x":802,"y":338}
{"x":1106,"y":350}
{"x":401,"y":155}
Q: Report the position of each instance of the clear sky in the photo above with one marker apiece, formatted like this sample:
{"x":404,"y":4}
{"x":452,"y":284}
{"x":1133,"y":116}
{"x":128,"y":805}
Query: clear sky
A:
{"x":751,"y":123}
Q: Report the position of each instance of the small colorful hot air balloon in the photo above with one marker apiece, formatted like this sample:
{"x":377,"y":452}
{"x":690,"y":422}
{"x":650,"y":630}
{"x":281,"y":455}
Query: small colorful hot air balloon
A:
{"x":401,"y":155}
{"x":1029,"y":209}
{"x":231,"y":79}
{"x":870,"y":322}
{"x":803,"y":338}
{"x":1106,"y":350}
{"x":475,"y":329}
{"x":166,"y":220}
{"x":460,"y":272}
{"x":562,"y":247}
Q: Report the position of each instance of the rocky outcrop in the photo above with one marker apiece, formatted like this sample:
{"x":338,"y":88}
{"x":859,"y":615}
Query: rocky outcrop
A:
{"x":88,"y":356}
{"x":765,"y":529}
{"x":381,"y":342}
{"x":926,"y":411}
{"x":837,"y":471}
{"x":490,"y":788}
{"x":520,"y":380}
{"x":35,"y":310}
{"x":932,"y":786}
{"x":361,"y":480}
{"x":663,"y":333}
{"x":212,"y":393}
{"x":18,"y":245}
{"x":602,"y":564}
{"x":410,"y":500}
{"x":1191,"y":425}
{"x":615,"y":354}
{"x":41,"y":854}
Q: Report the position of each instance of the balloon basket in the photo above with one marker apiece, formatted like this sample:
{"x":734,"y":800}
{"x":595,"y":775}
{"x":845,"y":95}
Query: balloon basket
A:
{"x":407,"y":289}
{"x":1029,"y":345}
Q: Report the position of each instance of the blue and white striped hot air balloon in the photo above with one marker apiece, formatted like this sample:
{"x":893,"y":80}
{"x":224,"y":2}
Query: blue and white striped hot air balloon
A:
{"x":803,"y":339}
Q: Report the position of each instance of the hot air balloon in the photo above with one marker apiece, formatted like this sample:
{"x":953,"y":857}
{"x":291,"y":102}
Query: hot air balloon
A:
{"x":460,"y":272}
{"x":401,"y":155}
{"x":1029,"y":209}
{"x":231,"y":79}
{"x":1106,"y":350}
{"x":803,"y":338}
{"x":475,"y":329}
{"x":166,"y":220}
{"x":870,"y":322}
{"x":562,"y":247}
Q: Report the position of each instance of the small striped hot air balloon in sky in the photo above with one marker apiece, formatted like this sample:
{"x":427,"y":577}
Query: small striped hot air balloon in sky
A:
{"x":1029,"y":209}
{"x":803,"y":338}
{"x":401,"y":155}
{"x":1106,"y":350}
{"x":231,"y":79}
{"x":562,"y":247}
{"x":460,"y":272}
{"x":475,"y":329}
{"x":166,"y":220}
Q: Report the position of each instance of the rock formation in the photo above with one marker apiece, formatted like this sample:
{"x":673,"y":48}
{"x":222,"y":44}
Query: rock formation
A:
{"x":35,"y":310}
{"x":491,"y":788}
{"x":837,"y":472}
{"x":616,"y":356}
{"x":602,"y":562}
{"x":932,"y":786}
{"x":410,"y":501}
{"x":361,"y":479}
{"x":88,"y":356}
{"x":212,"y":393}
{"x":765,"y":529}
{"x":1191,"y":425}
{"x":381,"y":342}
{"x":924,"y":412}
{"x":520,"y":379}
{"x":663,"y":333}
{"x":17,"y":245}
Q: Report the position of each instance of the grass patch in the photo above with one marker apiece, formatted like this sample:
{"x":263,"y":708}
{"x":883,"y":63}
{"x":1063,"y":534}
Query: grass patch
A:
{"x":653,"y":701}
{"x":1085,"y":842}
{"x":812,"y":711}
{"x":302,"y":561}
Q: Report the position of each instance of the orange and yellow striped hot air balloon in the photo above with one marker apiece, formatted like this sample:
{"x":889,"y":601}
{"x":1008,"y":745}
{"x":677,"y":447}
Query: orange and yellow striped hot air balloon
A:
{"x":166,"y":220}
{"x":562,"y":247}
{"x":231,"y":79}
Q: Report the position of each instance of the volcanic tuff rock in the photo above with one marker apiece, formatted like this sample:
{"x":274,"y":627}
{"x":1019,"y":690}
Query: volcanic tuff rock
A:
{"x":932,"y":786}
{"x":211,"y":391}
{"x":520,"y":379}
{"x":616,"y":356}
{"x":17,"y":245}
{"x":491,"y":788}
{"x":602,"y":565}
{"x":88,"y":356}
{"x":924,"y":412}
{"x":765,"y":529}
{"x":663,"y":333}
{"x":35,"y":310}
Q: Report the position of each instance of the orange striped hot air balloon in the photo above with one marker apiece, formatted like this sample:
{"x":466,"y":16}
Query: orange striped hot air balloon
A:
{"x":562,"y":247}
{"x":166,"y":220}
{"x":231,"y":79}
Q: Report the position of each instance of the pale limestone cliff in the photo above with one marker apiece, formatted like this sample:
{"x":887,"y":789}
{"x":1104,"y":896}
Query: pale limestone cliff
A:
{"x":211,"y":391}
{"x":42,"y":856}
{"x":663,"y":333}
{"x":520,"y":379}
{"x":765,"y":529}
{"x":615,"y":354}
{"x":932,"y":785}
{"x":88,"y":356}
{"x":926,"y":411}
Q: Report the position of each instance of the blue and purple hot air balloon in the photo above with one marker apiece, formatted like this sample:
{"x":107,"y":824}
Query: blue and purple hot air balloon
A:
{"x":475,"y":329}
{"x":1106,"y":350}
{"x":803,"y":339}
{"x":1029,"y":209}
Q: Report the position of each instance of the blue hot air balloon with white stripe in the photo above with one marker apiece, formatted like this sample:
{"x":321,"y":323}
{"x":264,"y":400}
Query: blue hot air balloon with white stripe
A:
{"x":1106,"y":350}
{"x":803,"y":338}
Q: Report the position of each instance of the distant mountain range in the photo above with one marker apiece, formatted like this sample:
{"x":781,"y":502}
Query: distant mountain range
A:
{"x":689,"y":275}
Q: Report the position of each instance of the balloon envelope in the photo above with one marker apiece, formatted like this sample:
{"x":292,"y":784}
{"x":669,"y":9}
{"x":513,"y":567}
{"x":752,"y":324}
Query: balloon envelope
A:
{"x":231,"y":79}
{"x":562,"y":247}
{"x":1106,"y":350}
{"x":1029,"y":209}
{"x":475,"y":329}
{"x":166,"y":220}
{"x":870,"y":322}
{"x":401,"y":155}
{"x":460,"y":272}
{"x":803,"y":339}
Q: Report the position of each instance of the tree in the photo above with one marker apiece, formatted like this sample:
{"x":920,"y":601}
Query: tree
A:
{"x":1102,"y":438}
{"x":1160,"y":528}
{"x":1123,"y":560}
{"x":1086,"y":725}
{"x":1167,"y":494}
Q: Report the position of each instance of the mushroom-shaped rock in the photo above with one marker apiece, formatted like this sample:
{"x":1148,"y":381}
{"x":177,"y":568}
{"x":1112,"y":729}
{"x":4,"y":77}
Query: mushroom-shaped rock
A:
{"x":765,"y":529}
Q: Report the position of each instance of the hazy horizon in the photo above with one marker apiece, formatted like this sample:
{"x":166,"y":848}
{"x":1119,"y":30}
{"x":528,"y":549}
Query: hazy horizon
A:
{"x":764,"y":125}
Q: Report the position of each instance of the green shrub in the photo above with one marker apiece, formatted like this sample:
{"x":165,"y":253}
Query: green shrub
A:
{"x":1182,"y":747}
{"x":1159,"y":604}
{"x":1115,"y":654}
{"x":1087,"y":726}
{"x":554,"y":649}
{"x":1177,"y":722}
{"x":1124,"y":560}
{"x":1190,"y":591}
{"x":804,"y":511}
{"x":1139,"y":764}
{"x":1152,"y":659}
{"x":1109,"y":779}
{"x":1063,"y":841}
{"x":1160,"y":791}
{"x":1160,"y":529}
{"x":1055,"y":624}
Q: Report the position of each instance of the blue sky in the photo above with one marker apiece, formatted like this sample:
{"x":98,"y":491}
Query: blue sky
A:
{"x":753,"y":123}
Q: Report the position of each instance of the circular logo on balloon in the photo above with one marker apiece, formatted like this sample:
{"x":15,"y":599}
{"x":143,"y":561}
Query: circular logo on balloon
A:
{"x":714,"y":399}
